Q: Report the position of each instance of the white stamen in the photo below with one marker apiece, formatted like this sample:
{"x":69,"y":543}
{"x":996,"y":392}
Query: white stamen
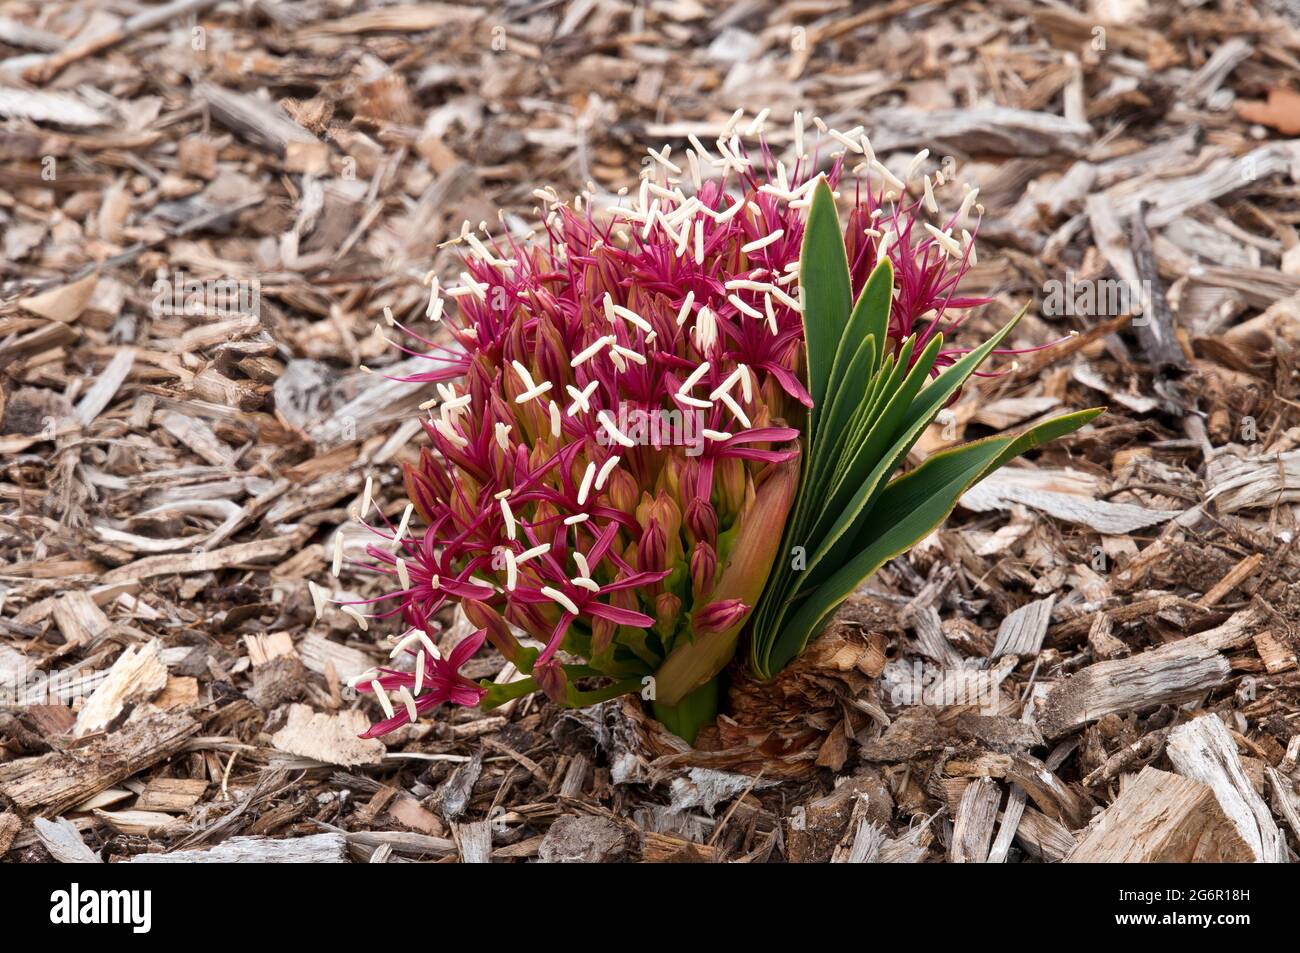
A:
{"x":366,"y":676}
{"x":944,"y":239}
{"x":686,"y":305}
{"x":634,"y":356}
{"x":361,"y":620}
{"x":662,"y":159}
{"x":916,"y":164}
{"x":405,"y":642}
{"x":509,"y":516}
{"x":893,"y":180}
{"x":694,"y":378}
{"x":317,"y":597}
{"x":524,"y":376}
{"x":404,"y":694}
{"x":338,"y":554}
{"x":403,"y":576}
{"x":762,"y":242}
{"x":534,"y":392}
{"x":737,"y":410}
{"x":744,"y":308}
{"x":727,"y":384}
{"x":405,"y":521}
{"x":604,"y":473}
{"x":607,"y":422}
{"x":561,"y":599}
{"x":419,"y":671}
{"x":528,"y":554}
{"x":580,"y":398}
{"x":444,"y":428}
{"x":382,"y":695}
{"x":591,"y":350}
{"x":585,"y":488}
{"x":629,"y":315}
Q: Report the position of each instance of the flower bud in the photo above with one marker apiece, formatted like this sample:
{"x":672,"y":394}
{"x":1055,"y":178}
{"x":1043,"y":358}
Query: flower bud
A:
{"x":622,"y":491}
{"x":551,"y":678}
{"x":667,"y":610}
{"x":704,"y":570}
{"x":498,"y":632}
{"x":719,"y":616}
{"x":702,"y":522}
{"x":729,"y":480}
{"x":602,"y":635}
{"x":651,"y":552}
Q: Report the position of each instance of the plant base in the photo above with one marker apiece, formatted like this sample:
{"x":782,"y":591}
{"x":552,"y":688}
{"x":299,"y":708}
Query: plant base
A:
{"x":688,"y":716}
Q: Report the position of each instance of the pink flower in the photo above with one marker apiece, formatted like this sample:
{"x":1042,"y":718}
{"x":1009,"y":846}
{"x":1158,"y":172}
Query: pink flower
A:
{"x":442,"y":682}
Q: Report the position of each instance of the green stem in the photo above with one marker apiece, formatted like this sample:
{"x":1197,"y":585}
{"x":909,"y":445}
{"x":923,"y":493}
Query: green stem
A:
{"x":693,"y":712}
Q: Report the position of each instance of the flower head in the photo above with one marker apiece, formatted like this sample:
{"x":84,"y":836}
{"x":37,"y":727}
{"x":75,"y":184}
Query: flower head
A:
{"x":615,"y":398}
{"x":434,"y":681}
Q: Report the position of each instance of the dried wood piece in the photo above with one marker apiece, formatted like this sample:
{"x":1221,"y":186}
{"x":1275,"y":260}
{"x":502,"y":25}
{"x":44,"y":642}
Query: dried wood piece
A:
{"x":584,"y":839}
{"x":9,"y":828}
{"x":1284,"y":798}
{"x":318,"y":653}
{"x":138,"y":674}
{"x":1156,"y":330}
{"x":1022,"y":631}
{"x":1172,"y":673}
{"x":58,"y":781}
{"x":863,"y":839}
{"x":1203,"y":750}
{"x":328,"y":848}
{"x":259,"y":550}
{"x":1162,"y":818}
{"x":62,"y":839}
{"x":1061,"y":495}
{"x":996,"y":129}
{"x":328,"y":738}
{"x":196,"y":435}
{"x":1043,"y":837}
{"x":60,"y":109}
{"x":474,"y":842}
{"x":1275,"y":655}
{"x":401,"y":842}
{"x":1104,"y":645}
{"x":1042,"y":786}
{"x":105,"y":387}
{"x":1170,"y":198}
{"x":175,"y":795}
{"x":262,"y":122}
{"x":930,"y":640}
{"x":972,"y":829}
{"x":77,"y":616}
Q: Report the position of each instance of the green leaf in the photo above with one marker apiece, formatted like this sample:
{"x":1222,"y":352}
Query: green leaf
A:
{"x":827,"y":293}
{"x":910,"y":508}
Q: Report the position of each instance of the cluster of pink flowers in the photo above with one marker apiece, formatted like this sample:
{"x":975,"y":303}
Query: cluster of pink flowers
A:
{"x":610,"y":399}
